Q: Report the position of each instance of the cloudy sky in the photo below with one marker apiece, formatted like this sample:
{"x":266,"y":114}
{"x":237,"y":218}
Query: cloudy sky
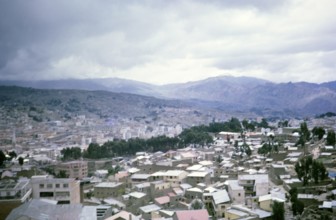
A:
{"x":168,"y":41}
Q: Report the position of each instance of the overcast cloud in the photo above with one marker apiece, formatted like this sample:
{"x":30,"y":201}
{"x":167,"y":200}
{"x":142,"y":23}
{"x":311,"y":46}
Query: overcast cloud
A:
{"x":168,"y":41}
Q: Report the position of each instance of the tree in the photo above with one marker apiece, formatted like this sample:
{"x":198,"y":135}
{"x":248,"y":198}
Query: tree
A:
{"x":308,"y":169}
{"x":2,"y":157}
{"x":331,"y":138}
{"x":263,"y":123}
{"x":62,"y":174}
{"x":21,"y":160}
{"x":319,"y":132}
{"x":278,"y":210}
{"x":196,"y":204}
{"x":12,"y":154}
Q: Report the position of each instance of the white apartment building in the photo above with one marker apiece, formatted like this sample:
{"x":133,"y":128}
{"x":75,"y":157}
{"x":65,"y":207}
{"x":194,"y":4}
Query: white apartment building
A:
{"x":64,"y":191}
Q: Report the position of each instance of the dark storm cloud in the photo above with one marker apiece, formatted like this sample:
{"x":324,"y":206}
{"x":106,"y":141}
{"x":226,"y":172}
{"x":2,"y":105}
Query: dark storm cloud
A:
{"x":160,"y":41}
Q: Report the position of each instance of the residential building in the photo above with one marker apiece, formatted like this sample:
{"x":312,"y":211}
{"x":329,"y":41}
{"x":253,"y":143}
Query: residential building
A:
{"x":174,"y":177}
{"x":62,"y":190}
{"x":254,"y":185}
{"x":108,"y":189}
{"x":219,"y":200}
{"x":47,"y":209}
{"x":74,"y":169}
{"x":13,"y":194}
{"x":150,"y":211}
{"x":236,"y":192}
{"x":201,"y":214}
{"x":197,"y":177}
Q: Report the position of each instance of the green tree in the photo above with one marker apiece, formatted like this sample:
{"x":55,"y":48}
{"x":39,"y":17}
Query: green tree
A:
{"x":319,"y":132}
{"x":263,"y":123}
{"x":331,"y":138}
{"x":2,"y":157}
{"x":62,"y":174}
{"x":12,"y":154}
{"x":71,"y":153}
{"x":197,"y":204}
{"x":278,"y":210}
{"x":21,"y":160}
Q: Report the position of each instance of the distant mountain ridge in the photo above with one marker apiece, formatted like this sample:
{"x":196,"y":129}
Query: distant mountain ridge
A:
{"x":223,"y":92}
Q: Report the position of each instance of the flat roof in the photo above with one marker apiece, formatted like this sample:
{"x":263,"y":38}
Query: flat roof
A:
{"x":107,"y":185}
{"x":198,"y":174}
{"x":150,"y":208}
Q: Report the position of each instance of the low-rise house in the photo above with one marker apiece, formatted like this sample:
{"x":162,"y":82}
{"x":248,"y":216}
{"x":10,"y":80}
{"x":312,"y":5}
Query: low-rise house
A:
{"x":158,"y":187}
{"x":143,"y":187}
{"x":236,"y":192}
{"x":276,"y":171}
{"x":101,"y":173}
{"x":123,"y":215}
{"x":137,"y":198}
{"x":198,"y":177}
{"x":138,"y":178}
{"x":193,"y":193}
{"x":201,"y":214}
{"x":108,"y":189}
{"x":254,"y":185}
{"x":219,"y":200}
{"x":174,"y":177}
{"x":150,"y":211}
{"x":163,"y":201}
{"x":237,"y":212}
{"x":265,"y":202}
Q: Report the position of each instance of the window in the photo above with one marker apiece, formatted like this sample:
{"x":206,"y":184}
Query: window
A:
{"x":65,"y":185}
{"x":64,"y":202}
{"x":238,"y":194}
{"x":57,"y":185}
{"x":46,"y":194}
{"x":41,"y":186}
{"x":49,"y":186}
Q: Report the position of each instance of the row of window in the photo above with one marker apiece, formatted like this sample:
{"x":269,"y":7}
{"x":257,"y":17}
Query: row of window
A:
{"x":57,"y":185}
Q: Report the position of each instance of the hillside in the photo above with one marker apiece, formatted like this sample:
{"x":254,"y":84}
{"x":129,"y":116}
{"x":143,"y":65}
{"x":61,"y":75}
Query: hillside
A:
{"x":228,"y":93}
{"x":44,"y":105}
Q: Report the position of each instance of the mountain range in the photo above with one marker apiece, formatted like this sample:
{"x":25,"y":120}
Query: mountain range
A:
{"x":230,"y":93}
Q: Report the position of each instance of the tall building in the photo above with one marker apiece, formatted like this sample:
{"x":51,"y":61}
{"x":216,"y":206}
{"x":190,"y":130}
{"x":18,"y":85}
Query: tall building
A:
{"x":74,"y":169}
{"x":62,"y":190}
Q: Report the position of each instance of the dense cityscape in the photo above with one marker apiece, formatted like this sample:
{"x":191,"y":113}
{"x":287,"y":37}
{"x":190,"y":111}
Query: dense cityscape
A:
{"x":239,"y":168}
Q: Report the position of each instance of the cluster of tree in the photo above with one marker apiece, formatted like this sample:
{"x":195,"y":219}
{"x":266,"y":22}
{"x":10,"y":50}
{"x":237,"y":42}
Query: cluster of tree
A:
{"x":12,"y":155}
{"x":308,"y":169}
{"x":72,"y":153}
{"x":248,"y":126}
{"x":328,"y":114}
{"x":297,"y":205}
{"x":318,"y":132}
{"x":114,"y":170}
{"x":265,"y":149}
{"x":244,"y":148}
{"x":331,"y":138}
{"x":233,"y":125}
{"x":252,"y":125}
{"x":269,"y":147}
{"x":282,"y":124}
{"x":197,"y":136}
{"x":130,"y":147}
